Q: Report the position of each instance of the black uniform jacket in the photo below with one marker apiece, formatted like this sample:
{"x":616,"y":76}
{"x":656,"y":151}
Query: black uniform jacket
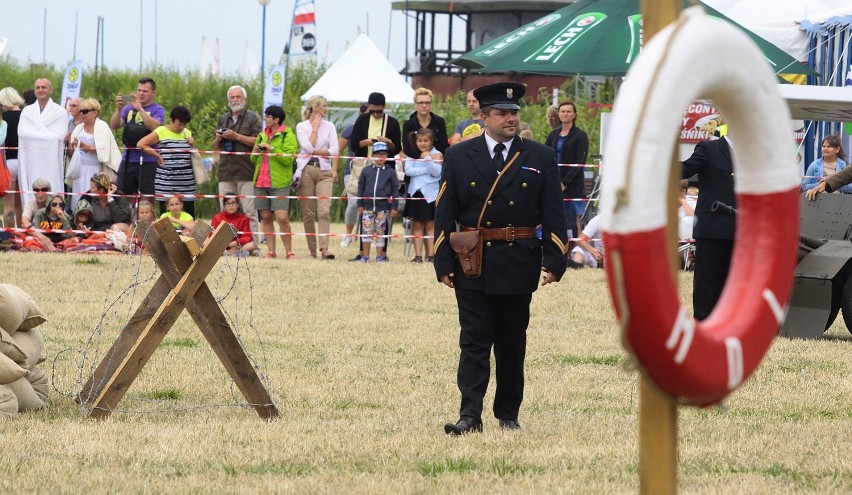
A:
{"x":713,"y":164}
{"x":528,"y":194}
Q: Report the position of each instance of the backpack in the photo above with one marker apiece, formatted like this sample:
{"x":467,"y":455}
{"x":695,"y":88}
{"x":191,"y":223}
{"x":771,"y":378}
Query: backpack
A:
{"x":133,"y":131}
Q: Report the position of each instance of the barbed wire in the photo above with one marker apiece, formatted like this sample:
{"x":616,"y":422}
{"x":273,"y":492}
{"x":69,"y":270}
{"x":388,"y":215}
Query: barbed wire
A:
{"x":119,"y":310}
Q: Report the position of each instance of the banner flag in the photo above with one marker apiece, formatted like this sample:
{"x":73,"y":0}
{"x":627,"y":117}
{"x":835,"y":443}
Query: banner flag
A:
{"x":72,"y":82}
{"x":273,"y":93}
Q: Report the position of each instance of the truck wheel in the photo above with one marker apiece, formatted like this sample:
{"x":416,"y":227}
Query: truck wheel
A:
{"x":835,"y":308}
{"x":846,"y":304}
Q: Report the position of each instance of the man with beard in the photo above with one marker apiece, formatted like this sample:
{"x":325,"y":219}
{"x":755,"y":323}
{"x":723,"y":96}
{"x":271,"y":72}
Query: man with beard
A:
{"x":140,"y":115}
{"x":497,"y":188}
{"x":237,"y":132}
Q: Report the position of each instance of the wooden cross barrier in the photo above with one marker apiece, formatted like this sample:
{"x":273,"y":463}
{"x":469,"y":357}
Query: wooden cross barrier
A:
{"x":181,"y":285}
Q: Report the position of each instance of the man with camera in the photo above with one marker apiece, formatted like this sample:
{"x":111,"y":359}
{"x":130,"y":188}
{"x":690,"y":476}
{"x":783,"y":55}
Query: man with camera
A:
{"x":140,"y":115}
{"x":236,"y":133}
{"x":375,"y":126}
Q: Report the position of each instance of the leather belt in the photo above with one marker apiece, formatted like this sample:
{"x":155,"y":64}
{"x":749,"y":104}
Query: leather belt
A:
{"x":505,"y":233}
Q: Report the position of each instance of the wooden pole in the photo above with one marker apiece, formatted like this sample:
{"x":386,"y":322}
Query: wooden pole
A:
{"x":658,"y":411}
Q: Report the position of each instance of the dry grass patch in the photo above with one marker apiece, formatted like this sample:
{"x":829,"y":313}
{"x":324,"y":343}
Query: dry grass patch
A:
{"x":361,"y":359}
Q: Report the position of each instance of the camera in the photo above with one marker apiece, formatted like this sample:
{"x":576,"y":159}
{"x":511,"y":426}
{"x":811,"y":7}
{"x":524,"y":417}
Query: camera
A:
{"x":227,"y":144}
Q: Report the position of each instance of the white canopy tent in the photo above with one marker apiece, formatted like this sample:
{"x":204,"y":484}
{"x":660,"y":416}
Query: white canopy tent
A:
{"x":777,"y":21}
{"x":361,"y":70}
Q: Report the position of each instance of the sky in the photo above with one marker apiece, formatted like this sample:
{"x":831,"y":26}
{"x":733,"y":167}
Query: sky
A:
{"x":180,"y":25}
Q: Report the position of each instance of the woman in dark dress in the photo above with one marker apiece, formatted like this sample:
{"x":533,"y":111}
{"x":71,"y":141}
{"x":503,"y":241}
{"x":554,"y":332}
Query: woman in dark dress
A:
{"x":571,"y":145}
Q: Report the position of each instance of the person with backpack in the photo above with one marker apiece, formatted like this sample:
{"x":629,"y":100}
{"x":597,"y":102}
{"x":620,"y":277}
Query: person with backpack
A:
{"x":139,"y":115}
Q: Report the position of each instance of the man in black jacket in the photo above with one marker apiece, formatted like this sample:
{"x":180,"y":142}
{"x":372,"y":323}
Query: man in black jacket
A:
{"x":713,"y":232}
{"x":504,"y":187}
{"x":375,"y":126}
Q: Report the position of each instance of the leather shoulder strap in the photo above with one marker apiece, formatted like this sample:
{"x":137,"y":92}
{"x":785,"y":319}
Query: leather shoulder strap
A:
{"x":493,"y":186}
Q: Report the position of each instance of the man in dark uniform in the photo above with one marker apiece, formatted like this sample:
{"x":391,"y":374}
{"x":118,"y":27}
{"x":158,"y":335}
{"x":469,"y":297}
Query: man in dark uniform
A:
{"x":494,"y":308}
{"x":713,"y":232}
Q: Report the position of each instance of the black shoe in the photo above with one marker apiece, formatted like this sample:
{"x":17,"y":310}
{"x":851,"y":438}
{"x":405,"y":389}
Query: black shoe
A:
{"x":509,"y":424}
{"x":574,"y":265}
{"x":465,"y":425}
{"x":357,"y":257}
{"x":430,"y":259}
{"x":417,"y":259}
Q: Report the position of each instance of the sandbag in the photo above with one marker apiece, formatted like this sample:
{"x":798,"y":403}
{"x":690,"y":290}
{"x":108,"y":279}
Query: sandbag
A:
{"x":41,"y":384}
{"x":33,"y":314}
{"x":10,"y":371}
{"x":28,"y":399}
{"x":12,"y":309}
{"x":8,"y":402}
{"x":10,"y":348}
{"x":31,"y":342}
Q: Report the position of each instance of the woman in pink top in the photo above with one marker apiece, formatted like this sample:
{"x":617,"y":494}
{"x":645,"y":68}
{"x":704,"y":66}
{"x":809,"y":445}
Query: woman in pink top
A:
{"x":315,"y":173}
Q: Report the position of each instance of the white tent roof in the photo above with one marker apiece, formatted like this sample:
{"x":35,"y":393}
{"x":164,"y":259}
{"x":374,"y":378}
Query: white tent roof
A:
{"x":777,"y":21}
{"x":818,"y":102}
{"x":361,"y":70}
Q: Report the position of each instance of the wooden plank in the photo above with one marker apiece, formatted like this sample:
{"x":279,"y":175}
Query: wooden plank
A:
{"x":658,"y":411}
{"x":214,"y":326}
{"x":191,"y":245}
{"x":153,"y":334}
{"x":134,"y":327}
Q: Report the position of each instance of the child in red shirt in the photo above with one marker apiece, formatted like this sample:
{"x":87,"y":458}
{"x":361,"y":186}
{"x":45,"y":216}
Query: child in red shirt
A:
{"x":243,"y":243}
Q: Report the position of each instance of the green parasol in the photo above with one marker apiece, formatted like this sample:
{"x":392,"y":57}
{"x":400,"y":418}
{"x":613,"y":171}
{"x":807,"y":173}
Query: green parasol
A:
{"x":595,"y":37}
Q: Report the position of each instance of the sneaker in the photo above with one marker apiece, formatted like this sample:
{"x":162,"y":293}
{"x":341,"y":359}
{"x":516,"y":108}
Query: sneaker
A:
{"x":417,"y":259}
{"x":347,"y":240}
{"x":381,"y":259}
{"x":358,"y":257}
{"x":256,"y":252}
{"x":430,"y":259}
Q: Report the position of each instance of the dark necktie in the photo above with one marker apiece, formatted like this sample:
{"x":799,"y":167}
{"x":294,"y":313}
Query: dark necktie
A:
{"x":499,"y":161}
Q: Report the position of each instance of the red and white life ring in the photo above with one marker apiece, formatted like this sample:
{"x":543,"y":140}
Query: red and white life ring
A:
{"x":699,"y":363}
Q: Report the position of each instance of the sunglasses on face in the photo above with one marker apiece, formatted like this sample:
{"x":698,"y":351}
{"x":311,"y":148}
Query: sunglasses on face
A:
{"x":86,"y":111}
{"x":57,"y":205}
{"x":230,"y":202}
{"x":377,"y":112}
{"x":41,"y":189}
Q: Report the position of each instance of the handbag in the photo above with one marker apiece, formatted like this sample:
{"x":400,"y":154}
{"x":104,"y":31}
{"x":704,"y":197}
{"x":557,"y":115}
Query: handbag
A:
{"x":358,"y":165}
{"x":198,"y":170}
{"x":74,"y":168}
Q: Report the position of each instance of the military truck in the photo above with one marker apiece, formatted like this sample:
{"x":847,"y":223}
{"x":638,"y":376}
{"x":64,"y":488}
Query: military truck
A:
{"x":822,"y":287}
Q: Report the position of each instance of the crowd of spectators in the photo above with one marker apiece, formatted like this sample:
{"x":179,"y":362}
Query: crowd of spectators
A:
{"x":69,"y":156}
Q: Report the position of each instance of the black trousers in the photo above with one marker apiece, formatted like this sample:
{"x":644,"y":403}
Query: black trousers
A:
{"x":492,"y":321}
{"x":712,"y":262}
{"x":133,"y":177}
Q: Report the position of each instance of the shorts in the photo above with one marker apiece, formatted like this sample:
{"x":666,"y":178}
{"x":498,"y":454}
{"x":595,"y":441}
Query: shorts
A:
{"x":575,"y":207}
{"x":272,"y":204}
{"x":13,"y":167}
{"x":588,"y":259}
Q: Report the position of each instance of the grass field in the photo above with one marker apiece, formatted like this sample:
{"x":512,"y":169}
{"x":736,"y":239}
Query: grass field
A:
{"x":361,"y":360}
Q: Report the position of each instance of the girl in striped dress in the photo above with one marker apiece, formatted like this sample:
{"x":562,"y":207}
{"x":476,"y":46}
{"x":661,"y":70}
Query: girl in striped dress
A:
{"x":174,"y":170}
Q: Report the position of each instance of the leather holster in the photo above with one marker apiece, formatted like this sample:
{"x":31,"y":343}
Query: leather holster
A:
{"x":468,"y":248}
